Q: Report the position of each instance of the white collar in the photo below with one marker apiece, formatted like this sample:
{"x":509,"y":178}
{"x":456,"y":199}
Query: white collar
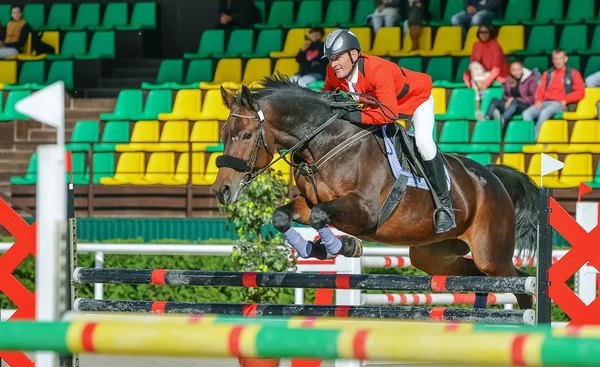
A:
{"x":354,"y":78}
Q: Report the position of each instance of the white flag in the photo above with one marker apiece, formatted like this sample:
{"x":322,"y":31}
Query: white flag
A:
{"x":550,"y":164}
{"x":46,"y":105}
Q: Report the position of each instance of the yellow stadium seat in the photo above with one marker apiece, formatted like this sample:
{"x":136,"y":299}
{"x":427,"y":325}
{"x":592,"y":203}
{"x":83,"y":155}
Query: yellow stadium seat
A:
{"x":578,"y":168}
{"x":144,"y":137}
{"x":293,"y":42}
{"x":469,"y":42}
{"x":586,"y":108}
{"x":52,"y":38}
{"x":210,"y":175}
{"x":130,"y":167}
{"x":511,"y":38}
{"x":182,"y":172}
{"x":283,"y":167}
{"x":8,"y":72}
{"x":213,"y":107}
{"x":161,"y":166}
{"x":424,"y":44}
{"x":447,"y":39}
{"x":364,"y":37}
{"x":256,"y":70}
{"x":584,"y":138}
{"x":175,"y":137}
{"x":439,"y":100}
{"x":553,"y":134}
{"x":387,"y":40}
{"x":187,"y":104}
{"x":514,"y":160}
{"x":228,"y":70}
{"x":287,"y":66}
{"x":535,"y":169}
{"x":204,"y":134}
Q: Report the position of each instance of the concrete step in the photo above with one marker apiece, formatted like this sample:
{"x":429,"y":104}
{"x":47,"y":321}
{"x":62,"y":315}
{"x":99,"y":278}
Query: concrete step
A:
{"x":93,"y":104}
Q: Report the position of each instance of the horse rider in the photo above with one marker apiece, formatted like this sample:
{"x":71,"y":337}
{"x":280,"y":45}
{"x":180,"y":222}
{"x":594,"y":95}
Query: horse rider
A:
{"x":406,"y":92}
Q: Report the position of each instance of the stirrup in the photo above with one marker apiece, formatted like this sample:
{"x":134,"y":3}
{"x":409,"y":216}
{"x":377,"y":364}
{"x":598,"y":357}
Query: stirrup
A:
{"x":438,"y":224}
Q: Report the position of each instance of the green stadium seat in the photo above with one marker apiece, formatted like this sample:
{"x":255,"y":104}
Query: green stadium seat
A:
{"x":34,"y":13}
{"x":86,"y":131}
{"x":488,"y":95}
{"x":73,"y":44}
{"x":60,"y":16}
{"x":59,"y":70}
{"x":594,"y":48}
{"x":115,"y":15}
{"x":440,"y":69}
{"x":363,"y":9}
{"x":482,"y":158}
{"x":461,"y":105}
{"x":458,"y":81}
{"x":573,"y":38}
{"x":212,"y":41}
{"x":595,"y":184}
{"x":5,"y":13}
{"x":452,"y":7}
{"x":540,"y":62}
{"x":485,"y":135}
{"x":454,"y":132}
{"x":240,"y":41}
{"x":142,"y":17}
{"x":129,"y":104}
{"x":435,"y":8}
{"x":281,"y":12}
{"x":547,"y":12}
{"x":574,"y":62}
{"x":102,"y":46}
{"x":518,"y":133}
{"x":593,"y":66}
{"x":80,"y":171}
{"x":310,"y":12}
{"x":30,"y":177}
{"x":9,"y":113}
{"x":517,"y":11}
{"x":578,"y":12}
{"x":316,"y":86}
{"x":31,"y":72}
{"x":88,"y":15}
{"x":104,"y":166}
{"x":411,"y":63}
{"x":338,"y":12}
{"x":198,"y":71}
{"x":542,"y":40}
{"x":115,"y":132}
{"x":269,"y":40}
{"x":170,"y":71}
{"x":158,"y":101}
{"x":262,"y":7}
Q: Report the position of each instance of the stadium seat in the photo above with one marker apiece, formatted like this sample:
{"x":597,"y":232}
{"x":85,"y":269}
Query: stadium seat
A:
{"x":262,"y":8}
{"x":287,"y":66}
{"x":211,"y":41}
{"x":205,"y":134}
{"x":281,"y":12}
{"x":170,"y":71}
{"x":293,"y":42}
{"x":517,"y":11}
{"x":592,"y":66}
{"x":161,"y":166}
{"x":101,"y":46}
{"x":481,"y":158}
{"x":228,"y":70}
{"x":130,"y":167}
{"x":424,"y":44}
{"x":364,"y":37}
{"x":573,"y":38}
{"x":73,"y":44}
{"x":199,"y":70}
{"x":452,"y":7}
{"x":440,"y":70}
{"x":552,"y":134}
{"x":542,"y":40}
{"x":187,"y":105}
{"x":157,"y":102}
{"x":547,"y":12}
{"x":514,"y":160}
{"x":5,"y":16}
{"x":309,"y":12}
{"x":338,"y":12}
{"x":269,"y":40}
{"x":256,"y":70}
{"x":577,"y":169}
{"x":439,"y":100}
{"x":115,"y":132}
{"x":129,"y":105}
{"x":210,"y":174}
{"x":467,"y":49}
{"x":518,"y":134}
{"x":142,"y":17}
{"x":586,"y":108}
{"x":585,"y":138}
{"x":88,"y":15}
{"x":59,"y":70}
{"x":174,"y":137}
{"x":31,"y":72}
{"x":461,"y":105}
{"x":30,"y":177}
{"x":115,"y":15}
{"x":511,"y":38}
{"x":457,"y":81}
{"x":213,"y":107}
{"x":595,"y":184}
{"x":594,"y":48}
{"x":387,"y":40}
{"x":485,"y":134}
{"x":454,"y":132}
{"x":540,"y":62}
{"x":535,"y":169}
{"x":144,"y":137}
{"x":181,"y":175}
{"x":579,"y":11}
{"x":411,"y":63}
{"x":35,"y":15}
{"x":447,"y":39}
{"x":240,"y":41}
{"x":59,"y":17}
{"x":86,"y":131}
{"x":574,"y":61}
{"x":8,"y":72}
{"x":9,"y":113}
{"x":488,"y":95}
{"x":363,"y":9}
{"x":103,"y":166}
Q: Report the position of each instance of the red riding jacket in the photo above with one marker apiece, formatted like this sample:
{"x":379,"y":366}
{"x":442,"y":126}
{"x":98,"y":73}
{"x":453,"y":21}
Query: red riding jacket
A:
{"x":399,"y":88}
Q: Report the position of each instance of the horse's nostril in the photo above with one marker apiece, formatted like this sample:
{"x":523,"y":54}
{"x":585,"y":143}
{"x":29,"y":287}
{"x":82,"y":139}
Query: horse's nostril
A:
{"x":225,"y":192}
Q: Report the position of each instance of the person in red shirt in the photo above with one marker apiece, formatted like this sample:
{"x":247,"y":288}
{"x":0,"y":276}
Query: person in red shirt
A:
{"x":560,"y":89}
{"x":488,"y":63}
{"x":406,"y":92}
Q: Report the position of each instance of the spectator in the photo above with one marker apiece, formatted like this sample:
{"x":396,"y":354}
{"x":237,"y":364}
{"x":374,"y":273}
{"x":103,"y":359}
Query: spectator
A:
{"x":593,"y":80}
{"x":312,"y":67}
{"x":519,"y":94}
{"x":477,"y":12}
{"x":15,"y":34}
{"x":238,"y":14}
{"x":488,"y":63}
{"x":418,"y":11}
{"x":560,"y":89}
{"x":386,"y":13}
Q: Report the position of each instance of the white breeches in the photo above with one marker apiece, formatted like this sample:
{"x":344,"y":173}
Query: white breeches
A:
{"x":423,"y":122}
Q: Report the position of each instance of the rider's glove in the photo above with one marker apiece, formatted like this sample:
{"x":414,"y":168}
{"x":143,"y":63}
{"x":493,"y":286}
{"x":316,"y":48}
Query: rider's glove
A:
{"x":354,"y":116}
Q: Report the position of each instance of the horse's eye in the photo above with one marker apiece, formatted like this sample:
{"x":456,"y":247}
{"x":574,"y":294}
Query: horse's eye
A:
{"x":247,"y":136}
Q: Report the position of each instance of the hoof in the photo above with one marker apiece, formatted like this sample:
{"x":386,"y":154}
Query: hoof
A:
{"x":319,"y":251}
{"x":351,"y":246}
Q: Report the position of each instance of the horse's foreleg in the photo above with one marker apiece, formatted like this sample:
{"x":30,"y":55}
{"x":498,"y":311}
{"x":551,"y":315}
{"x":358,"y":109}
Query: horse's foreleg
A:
{"x":296,"y":210}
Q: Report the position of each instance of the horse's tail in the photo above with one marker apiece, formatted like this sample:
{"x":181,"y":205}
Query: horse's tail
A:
{"x":524,"y":194}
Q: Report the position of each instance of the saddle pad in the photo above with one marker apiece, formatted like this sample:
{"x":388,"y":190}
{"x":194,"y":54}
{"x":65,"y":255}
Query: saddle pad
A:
{"x":397,"y":169}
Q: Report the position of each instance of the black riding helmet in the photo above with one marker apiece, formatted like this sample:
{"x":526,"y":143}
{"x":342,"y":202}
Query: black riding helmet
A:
{"x":340,"y":41}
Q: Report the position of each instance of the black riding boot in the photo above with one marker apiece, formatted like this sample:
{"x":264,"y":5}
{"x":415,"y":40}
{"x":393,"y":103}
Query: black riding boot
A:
{"x":443,"y":217}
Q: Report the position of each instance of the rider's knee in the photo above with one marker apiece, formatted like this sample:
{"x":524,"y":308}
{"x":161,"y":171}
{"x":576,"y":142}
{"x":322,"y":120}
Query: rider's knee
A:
{"x":281,"y":220}
{"x":318,"y":218}
{"x":426,"y":146}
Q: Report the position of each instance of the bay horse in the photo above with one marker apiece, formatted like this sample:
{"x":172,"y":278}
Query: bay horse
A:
{"x":495,"y":206}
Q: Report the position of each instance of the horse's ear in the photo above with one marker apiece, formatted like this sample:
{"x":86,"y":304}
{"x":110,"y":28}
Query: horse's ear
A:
{"x":248,"y":98}
{"x":228,"y":98}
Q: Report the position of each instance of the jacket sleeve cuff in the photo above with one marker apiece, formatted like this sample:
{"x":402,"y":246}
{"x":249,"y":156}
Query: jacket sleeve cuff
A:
{"x":356,"y":117}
